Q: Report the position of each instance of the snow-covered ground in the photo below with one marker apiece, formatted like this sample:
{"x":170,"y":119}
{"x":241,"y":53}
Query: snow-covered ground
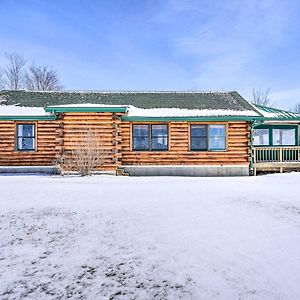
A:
{"x":150,"y":238}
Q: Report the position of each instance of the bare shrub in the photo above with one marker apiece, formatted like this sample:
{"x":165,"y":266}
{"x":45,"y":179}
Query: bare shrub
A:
{"x":88,"y":156}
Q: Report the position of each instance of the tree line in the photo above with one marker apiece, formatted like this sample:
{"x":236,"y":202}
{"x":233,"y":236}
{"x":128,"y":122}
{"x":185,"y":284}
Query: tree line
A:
{"x":18,"y":75}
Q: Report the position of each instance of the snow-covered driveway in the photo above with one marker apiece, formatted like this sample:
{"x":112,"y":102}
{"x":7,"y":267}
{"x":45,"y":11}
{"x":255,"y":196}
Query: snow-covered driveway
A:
{"x":150,"y":238}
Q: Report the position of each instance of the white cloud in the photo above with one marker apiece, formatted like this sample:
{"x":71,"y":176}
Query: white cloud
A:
{"x":232,"y":40}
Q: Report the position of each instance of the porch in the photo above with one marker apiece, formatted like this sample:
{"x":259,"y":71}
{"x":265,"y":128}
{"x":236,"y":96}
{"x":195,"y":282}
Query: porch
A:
{"x":276,"y":158}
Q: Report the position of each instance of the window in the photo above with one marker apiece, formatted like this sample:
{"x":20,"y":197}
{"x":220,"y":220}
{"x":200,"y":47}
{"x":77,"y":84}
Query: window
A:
{"x":150,"y":137}
{"x":208,"y":137}
{"x":261,"y":137}
{"x":275,"y":135}
{"x":25,"y":137}
{"x":284,"y":137}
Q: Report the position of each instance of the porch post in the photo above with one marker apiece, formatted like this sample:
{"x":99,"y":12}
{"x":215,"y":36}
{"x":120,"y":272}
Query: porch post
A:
{"x":280,"y":158}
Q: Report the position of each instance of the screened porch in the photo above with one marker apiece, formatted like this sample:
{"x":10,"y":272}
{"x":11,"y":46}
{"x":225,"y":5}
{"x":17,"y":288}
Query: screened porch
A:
{"x":276,"y":148}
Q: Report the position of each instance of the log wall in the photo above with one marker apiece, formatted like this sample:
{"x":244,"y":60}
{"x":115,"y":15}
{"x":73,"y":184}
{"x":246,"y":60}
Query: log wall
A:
{"x":56,"y":137}
{"x":46,"y":144}
{"x":238,"y":140}
{"x":104,"y":125}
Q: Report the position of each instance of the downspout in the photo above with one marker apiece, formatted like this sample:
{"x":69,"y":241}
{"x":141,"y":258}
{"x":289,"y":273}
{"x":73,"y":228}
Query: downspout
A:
{"x":253,"y":126}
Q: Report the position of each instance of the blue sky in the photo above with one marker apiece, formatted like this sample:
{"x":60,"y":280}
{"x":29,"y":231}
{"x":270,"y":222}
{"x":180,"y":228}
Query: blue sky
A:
{"x":161,"y":45}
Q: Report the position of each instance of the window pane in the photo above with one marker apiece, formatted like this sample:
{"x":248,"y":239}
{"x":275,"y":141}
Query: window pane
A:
{"x":140,"y":130}
{"x":261,"y":137}
{"x":198,"y":143}
{"x":140,"y":137}
{"x":159,"y":137}
{"x":25,"y":144}
{"x":158,"y":130}
{"x":160,"y":143}
{"x":141,"y":143}
{"x":25,"y":130}
{"x":198,"y":130}
{"x":217,"y":137}
{"x":217,"y":130}
{"x":284,"y":137}
{"x":217,"y":143}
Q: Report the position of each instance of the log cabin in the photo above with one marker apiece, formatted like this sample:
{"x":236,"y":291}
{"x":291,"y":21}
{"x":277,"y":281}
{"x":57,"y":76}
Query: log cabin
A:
{"x":148,"y":133}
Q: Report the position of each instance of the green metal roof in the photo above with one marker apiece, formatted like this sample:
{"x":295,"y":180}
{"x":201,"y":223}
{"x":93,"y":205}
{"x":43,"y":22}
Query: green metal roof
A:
{"x":276,"y":114}
{"x":185,"y":100}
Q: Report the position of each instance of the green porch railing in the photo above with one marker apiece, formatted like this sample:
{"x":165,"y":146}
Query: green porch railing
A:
{"x":276,"y":154}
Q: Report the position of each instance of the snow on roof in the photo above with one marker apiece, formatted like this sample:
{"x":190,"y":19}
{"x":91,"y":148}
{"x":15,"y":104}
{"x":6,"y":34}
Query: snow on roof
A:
{"x":267,"y":114}
{"x":166,"y":112}
{"x":13,"y":110}
{"x":179,"y":112}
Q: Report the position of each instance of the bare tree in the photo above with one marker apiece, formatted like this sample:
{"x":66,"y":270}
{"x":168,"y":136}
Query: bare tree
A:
{"x":296,"y":108}
{"x":261,"y":97}
{"x":14,"y":72}
{"x":2,"y":85}
{"x":42,"y":78}
{"x":87,"y":157}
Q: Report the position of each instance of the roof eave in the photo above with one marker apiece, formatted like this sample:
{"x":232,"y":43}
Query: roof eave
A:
{"x":191,"y":119}
{"x":84,"y":109}
{"x":27,"y":118}
{"x":281,"y":119}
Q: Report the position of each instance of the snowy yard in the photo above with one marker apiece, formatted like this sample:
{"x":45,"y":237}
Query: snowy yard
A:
{"x":150,"y":238}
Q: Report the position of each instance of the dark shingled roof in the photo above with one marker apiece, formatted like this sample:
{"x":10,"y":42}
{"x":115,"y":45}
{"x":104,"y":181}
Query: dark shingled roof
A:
{"x":187,"y":100}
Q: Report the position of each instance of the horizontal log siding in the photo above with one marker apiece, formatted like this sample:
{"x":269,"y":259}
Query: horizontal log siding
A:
{"x":106,"y":125}
{"x":55,"y":137}
{"x":46,"y":144}
{"x":238,"y":137}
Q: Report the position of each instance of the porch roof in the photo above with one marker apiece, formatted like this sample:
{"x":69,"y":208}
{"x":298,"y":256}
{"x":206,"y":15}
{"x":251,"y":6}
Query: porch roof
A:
{"x":275,"y":114}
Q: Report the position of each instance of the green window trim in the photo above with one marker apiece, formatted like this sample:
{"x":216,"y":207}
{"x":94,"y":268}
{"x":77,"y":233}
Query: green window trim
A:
{"x":272,"y":127}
